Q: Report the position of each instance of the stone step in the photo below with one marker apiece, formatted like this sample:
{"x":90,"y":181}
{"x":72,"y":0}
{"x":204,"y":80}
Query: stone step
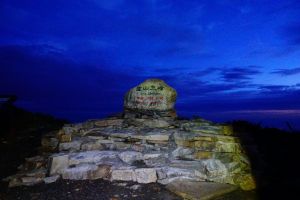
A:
{"x":193,"y":190}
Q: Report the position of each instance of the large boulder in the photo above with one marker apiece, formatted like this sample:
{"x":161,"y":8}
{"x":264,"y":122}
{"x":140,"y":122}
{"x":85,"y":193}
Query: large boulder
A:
{"x":152,"y":97}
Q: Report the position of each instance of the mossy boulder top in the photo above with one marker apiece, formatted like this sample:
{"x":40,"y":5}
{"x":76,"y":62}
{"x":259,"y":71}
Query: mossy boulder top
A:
{"x":152,"y":94}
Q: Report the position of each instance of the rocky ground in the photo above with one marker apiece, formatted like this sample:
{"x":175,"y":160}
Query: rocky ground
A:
{"x":102,"y":190}
{"x":95,"y":189}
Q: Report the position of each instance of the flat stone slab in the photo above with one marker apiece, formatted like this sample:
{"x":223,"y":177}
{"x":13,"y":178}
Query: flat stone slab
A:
{"x":51,"y":179}
{"x":123,"y":175}
{"x":145,"y":175}
{"x":86,"y":171}
{"x":190,"y":136}
{"x":58,"y":163}
{"x":199,"y":190}
{"x":93,"y":157}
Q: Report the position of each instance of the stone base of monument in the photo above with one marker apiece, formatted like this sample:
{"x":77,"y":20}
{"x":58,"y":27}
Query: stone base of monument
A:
{"x":179,"y":152}
{"x":144,"y":146}
{"x":149,"y":114}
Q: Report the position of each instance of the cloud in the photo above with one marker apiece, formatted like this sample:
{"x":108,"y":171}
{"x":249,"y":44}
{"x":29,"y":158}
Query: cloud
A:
{"x":273,"y":88}
{"x":239,"y":73}
{"x":131,"y":32}
{"x":205,"y":71}
{"x":279,"y":112}
{"x":242,"y":74}
{"x":45,"y":80}
{"x":247,"y":100}
{"x":287,"y":72}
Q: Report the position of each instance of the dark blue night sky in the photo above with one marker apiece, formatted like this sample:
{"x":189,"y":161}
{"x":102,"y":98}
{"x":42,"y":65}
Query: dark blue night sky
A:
{"x":228,"y":59}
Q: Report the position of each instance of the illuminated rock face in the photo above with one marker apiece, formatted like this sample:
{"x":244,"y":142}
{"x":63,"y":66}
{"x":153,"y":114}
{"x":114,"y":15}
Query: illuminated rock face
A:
{"x":153,"y":95}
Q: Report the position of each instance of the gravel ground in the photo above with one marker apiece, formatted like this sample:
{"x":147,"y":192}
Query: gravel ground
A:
{"x":89,"y":190}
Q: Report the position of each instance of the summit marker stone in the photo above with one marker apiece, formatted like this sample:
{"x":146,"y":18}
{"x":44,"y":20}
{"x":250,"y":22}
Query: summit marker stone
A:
{"x":153,"y":96}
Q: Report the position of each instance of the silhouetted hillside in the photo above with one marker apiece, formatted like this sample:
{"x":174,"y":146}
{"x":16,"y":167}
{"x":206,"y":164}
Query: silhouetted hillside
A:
{"x":18,"y":121}
{"x":275,"y":161}
{"x":20,"y":135}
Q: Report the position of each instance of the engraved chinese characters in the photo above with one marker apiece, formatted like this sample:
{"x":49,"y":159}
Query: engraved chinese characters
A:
{"x":152,"y":95}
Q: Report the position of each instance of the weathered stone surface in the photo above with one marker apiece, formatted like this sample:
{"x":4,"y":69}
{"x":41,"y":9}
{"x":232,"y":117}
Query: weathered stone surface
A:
{"x":35,"y":162}
{"x":51,"y":179}
{"x":96,"y":137}
{"x":199,"y":190}
{"x":86,"y":171}
{"x":120,"y":146}
{"x":151,"y":95}
{"x":92,"y":145}
{"x":209,"y":169}
{"x":215,"y":168}
{"x":130,"y":156}
{"x":70,"y":146}
{"x":153,"y":136}
{"x":38,"y":173}
{"x":181,"y":152}
{"x":145,"y":175}
{"x":65,"y":138}
{"x":109,"y":122}
{"x":69,"y":128}
{"x":148,"y":156}
{"x":29,"y":180}
{"x":14,"y":182}
{"x":135,"y":187}
{"x":58,"y":163}
{"x":49,"y":142}
{"x":103,"y":171}
{"x":169,"y":174}
{"x":159,"y":161}
{"x":190,"y":136}
{"x":245,"y":181}
{"x":93,"y":157}
{"x":228,"y":130}
{"x":153,"y":123}
{"x":203,"y":126}
{"x":126,"y":174}
{"x":80,"y":172}
{"x":208,"y":142}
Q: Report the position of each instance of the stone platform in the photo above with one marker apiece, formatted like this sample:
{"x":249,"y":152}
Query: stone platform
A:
{"x":143,"y":148}
{"x":118,"y":149}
